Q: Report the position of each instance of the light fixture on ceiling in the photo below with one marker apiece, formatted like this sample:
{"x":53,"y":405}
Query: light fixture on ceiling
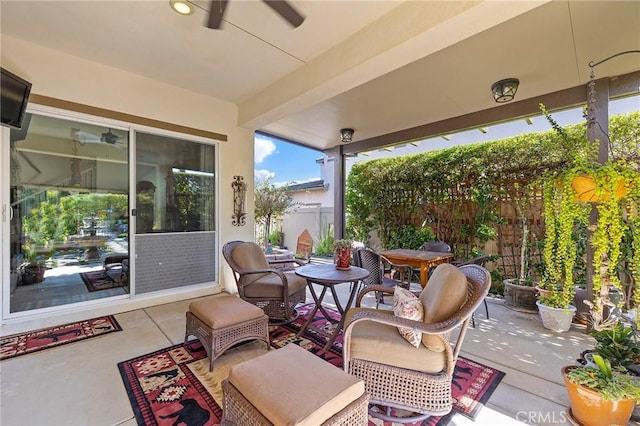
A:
{"x":182,"y":7}
{"x":346,"y":135}
{"x":505,"y":90}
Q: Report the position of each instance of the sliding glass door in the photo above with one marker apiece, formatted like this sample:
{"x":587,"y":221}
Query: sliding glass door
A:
{"x":69,"y":233}
{"x":105,"y":211}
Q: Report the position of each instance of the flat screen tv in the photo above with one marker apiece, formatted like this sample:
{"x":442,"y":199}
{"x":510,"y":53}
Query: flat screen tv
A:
{"x":14,"y":94}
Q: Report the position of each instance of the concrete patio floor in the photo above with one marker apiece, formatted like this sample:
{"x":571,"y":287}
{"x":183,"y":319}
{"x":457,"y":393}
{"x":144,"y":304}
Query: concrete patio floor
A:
{"x":79,"y":384}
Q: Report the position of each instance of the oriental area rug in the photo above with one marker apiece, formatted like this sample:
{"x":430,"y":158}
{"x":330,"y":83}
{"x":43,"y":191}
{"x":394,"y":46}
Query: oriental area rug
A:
{"x":99,"y":280}
{"x":33,"y":341}
{"x":174,"y":386}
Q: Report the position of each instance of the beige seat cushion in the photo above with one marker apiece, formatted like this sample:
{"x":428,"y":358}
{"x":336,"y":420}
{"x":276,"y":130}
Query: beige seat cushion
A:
{"x":382,"y":343}
{"x":270,"y":285}
{"x":222,"y":311}
{"x":291,"y":386}
{"x":249,"y":256}
{"x":445,"y":292}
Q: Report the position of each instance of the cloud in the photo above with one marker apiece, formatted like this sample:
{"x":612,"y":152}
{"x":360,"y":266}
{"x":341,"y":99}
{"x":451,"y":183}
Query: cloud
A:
{"x":262,"y":149}
{"x":263,"y":174}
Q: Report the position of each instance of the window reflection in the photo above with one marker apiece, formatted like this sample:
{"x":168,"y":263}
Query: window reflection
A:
{"x":175,"y":188}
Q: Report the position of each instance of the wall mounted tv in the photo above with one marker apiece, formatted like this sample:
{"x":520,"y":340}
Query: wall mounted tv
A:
{"x":14,"y":94}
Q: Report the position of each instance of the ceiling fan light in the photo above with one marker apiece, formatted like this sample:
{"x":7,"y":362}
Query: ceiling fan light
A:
{"x":505,"y":90}
{"x":181,"y":7}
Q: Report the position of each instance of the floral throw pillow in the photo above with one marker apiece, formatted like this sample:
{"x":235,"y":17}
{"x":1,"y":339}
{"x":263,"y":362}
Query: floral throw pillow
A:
{"x":407,"y":305}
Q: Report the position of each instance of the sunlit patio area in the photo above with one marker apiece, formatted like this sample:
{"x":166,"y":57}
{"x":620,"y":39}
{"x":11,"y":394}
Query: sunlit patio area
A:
{"x":79,"y":383}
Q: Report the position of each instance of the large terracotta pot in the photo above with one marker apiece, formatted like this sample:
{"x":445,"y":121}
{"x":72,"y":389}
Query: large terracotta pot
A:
{"x":521,"y":298}
{"x":590,"y":409}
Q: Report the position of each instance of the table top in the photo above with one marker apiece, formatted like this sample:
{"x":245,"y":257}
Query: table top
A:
{"x":327,"y":273}
{"x":406,"y":254}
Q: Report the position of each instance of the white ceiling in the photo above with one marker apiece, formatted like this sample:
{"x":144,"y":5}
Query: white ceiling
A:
{"x":376,"y":66}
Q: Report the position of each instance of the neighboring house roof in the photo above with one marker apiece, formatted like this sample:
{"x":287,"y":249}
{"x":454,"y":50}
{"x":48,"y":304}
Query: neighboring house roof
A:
{"x":314,"y":185}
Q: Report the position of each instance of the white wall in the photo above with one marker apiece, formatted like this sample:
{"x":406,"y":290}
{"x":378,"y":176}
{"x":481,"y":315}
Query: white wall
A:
{"x":75,"y":79}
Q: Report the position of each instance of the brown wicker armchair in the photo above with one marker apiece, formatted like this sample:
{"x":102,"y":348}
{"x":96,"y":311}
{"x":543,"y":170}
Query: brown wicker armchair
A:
{"x":399,"y":375}
{"x":276,"y":291}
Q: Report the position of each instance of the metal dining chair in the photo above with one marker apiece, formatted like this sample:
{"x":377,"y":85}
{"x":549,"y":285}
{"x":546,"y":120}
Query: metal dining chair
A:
{"x":378,"y":265}
{"x":479,"y":260}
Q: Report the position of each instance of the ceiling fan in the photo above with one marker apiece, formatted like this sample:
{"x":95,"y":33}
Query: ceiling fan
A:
{"x":107,"y":137}
{"x":281,"y":7}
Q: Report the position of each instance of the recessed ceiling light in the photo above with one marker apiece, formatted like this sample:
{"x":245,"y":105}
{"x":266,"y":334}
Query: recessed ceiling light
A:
{"x":181,"y":7}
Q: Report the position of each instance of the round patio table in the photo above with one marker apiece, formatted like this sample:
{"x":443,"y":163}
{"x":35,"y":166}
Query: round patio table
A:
{"x":327,"y":276}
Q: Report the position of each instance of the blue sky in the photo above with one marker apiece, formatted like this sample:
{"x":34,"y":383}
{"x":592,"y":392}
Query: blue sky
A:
{"x":285,"y":162}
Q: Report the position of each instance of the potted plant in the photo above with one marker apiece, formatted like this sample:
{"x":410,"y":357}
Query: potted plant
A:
{"x":611,"y":189}
{"x":601,"y":395}
{"x":556,"y":290}
{"x":342,"y":253}
{"x":520,"y":293}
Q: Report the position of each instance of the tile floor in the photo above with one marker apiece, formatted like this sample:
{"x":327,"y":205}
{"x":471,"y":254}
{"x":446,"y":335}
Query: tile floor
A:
{"x":79,"y":384}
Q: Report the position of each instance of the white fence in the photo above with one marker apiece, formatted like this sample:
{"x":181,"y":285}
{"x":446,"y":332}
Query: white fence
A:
{"x":314,"y":218}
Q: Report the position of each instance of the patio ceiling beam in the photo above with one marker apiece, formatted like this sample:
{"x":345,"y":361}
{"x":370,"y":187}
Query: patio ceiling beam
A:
{"x":618,"y":86}
{"x":411,"y":31}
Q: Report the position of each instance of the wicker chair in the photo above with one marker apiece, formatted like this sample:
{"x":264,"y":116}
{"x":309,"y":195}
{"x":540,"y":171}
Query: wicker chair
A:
{"x":277,"y":292}
{"x":399,"y":375}
{"x":382,"y":272}
{"x":439,"y":246}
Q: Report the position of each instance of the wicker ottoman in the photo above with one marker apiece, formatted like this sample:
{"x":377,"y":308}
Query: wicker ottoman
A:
{"x":291,"y":386}
{"x":221,"y":322}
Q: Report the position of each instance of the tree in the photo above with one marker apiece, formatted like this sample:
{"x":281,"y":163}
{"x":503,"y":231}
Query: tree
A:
{"x":270,"y":202}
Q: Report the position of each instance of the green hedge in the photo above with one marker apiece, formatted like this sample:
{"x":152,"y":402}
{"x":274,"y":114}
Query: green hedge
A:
{"x":468,"y":195}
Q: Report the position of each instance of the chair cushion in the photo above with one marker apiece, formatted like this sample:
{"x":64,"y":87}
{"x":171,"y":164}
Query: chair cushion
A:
{"x":272,"y":383}
{"x":222,"y":311}
{"x":407,"y":305}
{"x":445,"y":292}
{"x":249,"y":255}
{"x":382,"y":343}
{"x":270,"y":285}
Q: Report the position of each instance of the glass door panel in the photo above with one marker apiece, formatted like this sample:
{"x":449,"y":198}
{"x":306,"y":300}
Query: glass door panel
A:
{"x":175,"y":213}
{"x":69,"y":239}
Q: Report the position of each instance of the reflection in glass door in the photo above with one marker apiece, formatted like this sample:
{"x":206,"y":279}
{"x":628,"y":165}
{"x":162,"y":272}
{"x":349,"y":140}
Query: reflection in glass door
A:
{"x":69,"y":233}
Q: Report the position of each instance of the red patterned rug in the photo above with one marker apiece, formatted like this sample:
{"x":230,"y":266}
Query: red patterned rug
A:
{"x":173,"y":386}
{"x":33,"y":341}
{"x":99,"y":280}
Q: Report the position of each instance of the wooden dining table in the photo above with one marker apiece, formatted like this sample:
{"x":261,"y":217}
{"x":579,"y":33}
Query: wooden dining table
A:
{"x":418,"y":259}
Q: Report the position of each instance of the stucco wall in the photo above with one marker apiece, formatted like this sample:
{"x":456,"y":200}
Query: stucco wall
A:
{"x":59,"y":75}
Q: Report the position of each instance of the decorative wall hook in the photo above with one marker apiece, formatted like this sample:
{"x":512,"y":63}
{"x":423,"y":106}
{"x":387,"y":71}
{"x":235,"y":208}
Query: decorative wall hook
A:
{"x":239,"y":201}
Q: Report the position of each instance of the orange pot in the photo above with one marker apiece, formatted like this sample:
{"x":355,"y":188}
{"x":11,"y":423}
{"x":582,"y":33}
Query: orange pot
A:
{"x":585,"y":189}
{"x":590,"y":409}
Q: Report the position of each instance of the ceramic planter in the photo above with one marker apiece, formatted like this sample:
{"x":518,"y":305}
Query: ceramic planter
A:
{"x":583,"y":311}
{"x":521,"y":298}
{"x":342,"y":258}
{"x":556,"y":319}
{"x":590,"y":409}
{"x":585,"y":189}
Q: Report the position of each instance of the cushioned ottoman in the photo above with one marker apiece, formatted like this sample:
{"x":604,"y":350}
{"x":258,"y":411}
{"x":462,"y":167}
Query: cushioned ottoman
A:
{"x":291,"y":386}
{"x":221,"y":322}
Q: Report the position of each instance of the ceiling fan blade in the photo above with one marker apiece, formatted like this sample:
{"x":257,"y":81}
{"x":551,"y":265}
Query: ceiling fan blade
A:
{"x":216,"y":13}
{"x":284,"y":9}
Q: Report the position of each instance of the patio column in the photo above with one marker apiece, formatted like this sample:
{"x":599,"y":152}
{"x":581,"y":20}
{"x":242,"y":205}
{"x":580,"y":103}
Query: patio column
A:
{"x":339,"y":183}
{"x":597,"y":130}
